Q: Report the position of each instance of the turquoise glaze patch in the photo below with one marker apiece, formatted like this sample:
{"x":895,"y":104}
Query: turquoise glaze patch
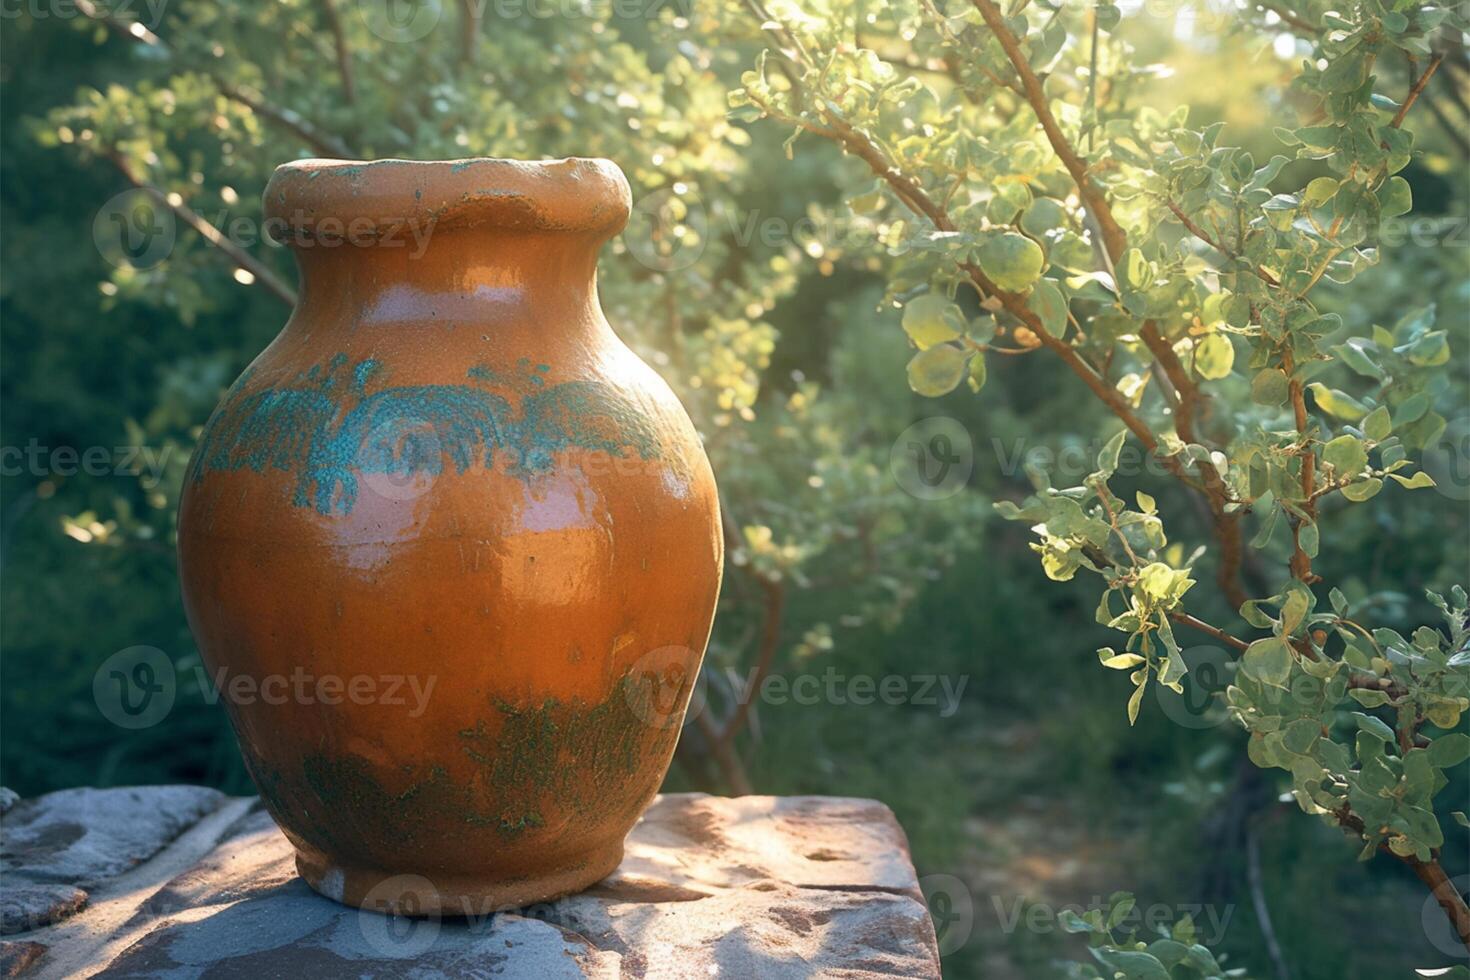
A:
{"x":327,"y":428}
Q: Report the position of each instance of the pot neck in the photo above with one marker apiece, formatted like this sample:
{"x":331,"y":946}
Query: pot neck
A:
{"x":478,"y":241}
{"x":422,"y":276}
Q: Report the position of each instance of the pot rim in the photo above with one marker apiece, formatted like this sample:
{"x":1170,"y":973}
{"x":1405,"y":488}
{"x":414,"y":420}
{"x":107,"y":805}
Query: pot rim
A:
{"x":316,"y":199}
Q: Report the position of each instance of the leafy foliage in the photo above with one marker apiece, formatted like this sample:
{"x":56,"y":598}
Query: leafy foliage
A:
{"x":1175,"y":275}
{"x":1118,"y":951}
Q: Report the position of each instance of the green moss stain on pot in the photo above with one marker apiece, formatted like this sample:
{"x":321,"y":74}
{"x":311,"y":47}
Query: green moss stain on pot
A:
{"x":326,"y":428}
{"x":557,"y":746}
{"x":581,"y":755}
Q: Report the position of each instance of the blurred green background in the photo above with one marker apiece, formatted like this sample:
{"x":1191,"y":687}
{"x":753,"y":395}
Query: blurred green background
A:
{"x":740,"y":282}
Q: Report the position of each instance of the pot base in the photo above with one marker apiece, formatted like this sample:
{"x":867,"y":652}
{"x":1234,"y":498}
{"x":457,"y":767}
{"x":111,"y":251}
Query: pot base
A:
{"x":451,"y":895}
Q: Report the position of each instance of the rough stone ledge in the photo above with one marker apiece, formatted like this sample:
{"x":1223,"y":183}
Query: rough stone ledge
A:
{"x":182,"y":882}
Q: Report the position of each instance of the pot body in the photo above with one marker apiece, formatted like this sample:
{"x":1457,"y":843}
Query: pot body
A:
{"x":449,"y":549}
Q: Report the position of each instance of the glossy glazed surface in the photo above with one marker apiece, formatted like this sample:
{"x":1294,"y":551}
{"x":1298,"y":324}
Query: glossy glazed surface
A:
{"x":463,"y":543}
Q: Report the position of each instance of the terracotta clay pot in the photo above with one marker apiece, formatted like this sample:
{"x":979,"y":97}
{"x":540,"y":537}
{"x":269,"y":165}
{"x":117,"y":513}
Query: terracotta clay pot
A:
{"x":449,"y":549}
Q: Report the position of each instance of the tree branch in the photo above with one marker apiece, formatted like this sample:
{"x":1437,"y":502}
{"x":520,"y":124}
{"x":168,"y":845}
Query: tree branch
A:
{"x":211,"y":234}
{"x":1115,"y":242}
{"x":1093,"y":199}
{"x":1204,"y":236}
{"x":1187,"y":620}
{"x":1416,"y":90}
{"x":288,"y":119}
{"x":469,"y":31}
{"x":344,"y":53}
{"x":1432,"y":874}
{"x":770,"y":642}
{"x":1290,"y":19}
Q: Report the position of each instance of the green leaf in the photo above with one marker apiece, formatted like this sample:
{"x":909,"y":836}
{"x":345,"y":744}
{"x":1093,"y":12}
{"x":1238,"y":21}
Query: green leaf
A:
{"x":1355,"y":357}
{"x":1430,"y":350}
{"x":1042,"y":216}
{"x":1270,"y":387}
{"x":1130,"y":965}
{"x":1411,"y":409}
{"x":1337,"y":403}
{"x":977,"y":372}
{"x":1449,"y":750}
{"x":1118,"y":661}
{"x":938,"y":370}
{"x":1369,"y":725}
{"x":1363,"y":489}
{"x":1309,"y":537}
{"x":1368,"y":698}
{"x":1346,"y":72}
{"x":1395,"y":198}
{"x":932,"y":319}
{"x":1214,"y":357}
{"x":1072,"y":922}
{"x":1300,"y":735}
{"x":1261,"y":539}
{"x":1133,"y":270}
{"x":1319,"y":192}
{"x":1419,"y":481}
{"x":1268,"y":661}
{"x":1122,"y":904}
{"x":1107,"y":457}
{"x":1048,"y":303}
{"x":1346,"y":455}
{"x":1011,"y":261}
{"x":1135,"y":702}
{"x":1293,"y":611}
{"x":1377,"y":426}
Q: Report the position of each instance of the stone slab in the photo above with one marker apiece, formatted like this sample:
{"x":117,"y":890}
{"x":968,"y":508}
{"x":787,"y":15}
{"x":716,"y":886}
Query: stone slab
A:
{"x":205,"y":887}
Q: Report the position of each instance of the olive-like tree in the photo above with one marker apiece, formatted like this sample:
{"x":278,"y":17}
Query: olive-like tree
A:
{"x":1174,"y":276}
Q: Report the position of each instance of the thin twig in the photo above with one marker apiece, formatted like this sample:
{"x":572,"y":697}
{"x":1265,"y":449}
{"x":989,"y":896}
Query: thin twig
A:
{"x":469,"y":28}
{"x":1092,"y":197}
{"x":1414,"y":92}
{"x":211,"y":234}
{"x":1204,"y":236}
{"x":1258,"y":901}
{"x":1204,"y":627}
{"x":344,"y":53}
{"x":288,"y":119}
{"x":1290,"y":19}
